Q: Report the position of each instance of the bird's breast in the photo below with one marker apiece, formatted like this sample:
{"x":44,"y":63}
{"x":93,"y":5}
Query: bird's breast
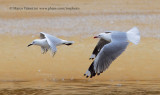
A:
{"x":45,"y":44}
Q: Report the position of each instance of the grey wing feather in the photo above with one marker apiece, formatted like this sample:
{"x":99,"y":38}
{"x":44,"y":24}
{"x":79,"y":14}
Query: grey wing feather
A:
{"x":42,"y":35}
{"x":52,"y":46}
{"x":108,"y":54}
{"x":105,"y":57}
{"x":98,"y":47}
{"x":51,"y":41}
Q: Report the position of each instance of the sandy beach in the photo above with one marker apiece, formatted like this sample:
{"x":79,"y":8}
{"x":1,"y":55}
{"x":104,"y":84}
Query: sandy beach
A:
{"x":22,"y":21}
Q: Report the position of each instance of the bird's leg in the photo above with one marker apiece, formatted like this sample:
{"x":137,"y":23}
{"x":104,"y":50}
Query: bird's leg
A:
{"x":53,"y":54}
{"x":46,"y":49}
{"x":42,"y":50}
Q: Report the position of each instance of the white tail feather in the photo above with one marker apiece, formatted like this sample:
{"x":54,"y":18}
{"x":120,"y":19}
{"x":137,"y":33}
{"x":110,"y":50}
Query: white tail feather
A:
{"x":133,"y":35}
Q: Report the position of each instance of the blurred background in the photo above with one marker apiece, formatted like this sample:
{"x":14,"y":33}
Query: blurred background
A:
{"x":80,"y":20}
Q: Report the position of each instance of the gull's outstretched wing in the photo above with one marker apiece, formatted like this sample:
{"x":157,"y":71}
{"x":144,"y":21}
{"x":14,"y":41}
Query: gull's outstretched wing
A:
{"x":109,"y":52}
{"x":98,"y":47}
{"x":105,"y":57}
{"x":51,"y":41}
{"x":42,"y":35}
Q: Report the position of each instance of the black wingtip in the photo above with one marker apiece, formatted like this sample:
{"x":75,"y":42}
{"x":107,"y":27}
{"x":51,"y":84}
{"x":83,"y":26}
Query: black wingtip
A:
{"x":68,"y":44}
{"x":98,"y":74}
{"x":91,"y":69}
{"x":91,"y":58}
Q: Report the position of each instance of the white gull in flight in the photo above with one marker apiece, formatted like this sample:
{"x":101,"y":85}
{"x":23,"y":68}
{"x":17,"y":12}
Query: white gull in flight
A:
{"x":48,"y":41}
{"x":109,"y":47}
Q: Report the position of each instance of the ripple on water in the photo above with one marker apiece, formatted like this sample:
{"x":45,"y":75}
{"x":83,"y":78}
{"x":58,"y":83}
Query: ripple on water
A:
{"x":78,"y":86}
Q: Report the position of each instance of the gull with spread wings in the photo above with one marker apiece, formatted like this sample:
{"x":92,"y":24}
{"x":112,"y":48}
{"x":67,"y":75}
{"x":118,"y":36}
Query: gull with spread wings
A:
{"x":110,"y":46}
{"x":48,"y":41}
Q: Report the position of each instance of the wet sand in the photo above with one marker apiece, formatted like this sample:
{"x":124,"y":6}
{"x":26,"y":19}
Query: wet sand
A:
{"x":25,"y":70}
{"x":72,"y":87}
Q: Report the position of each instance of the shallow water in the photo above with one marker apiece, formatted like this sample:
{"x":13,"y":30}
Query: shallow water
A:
{"x":76,"y":86}
{"x":26,"y":71}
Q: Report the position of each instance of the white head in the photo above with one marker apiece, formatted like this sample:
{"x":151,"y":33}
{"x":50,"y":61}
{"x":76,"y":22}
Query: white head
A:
{"x":35,"y":42}
{"x":105,"y":36}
